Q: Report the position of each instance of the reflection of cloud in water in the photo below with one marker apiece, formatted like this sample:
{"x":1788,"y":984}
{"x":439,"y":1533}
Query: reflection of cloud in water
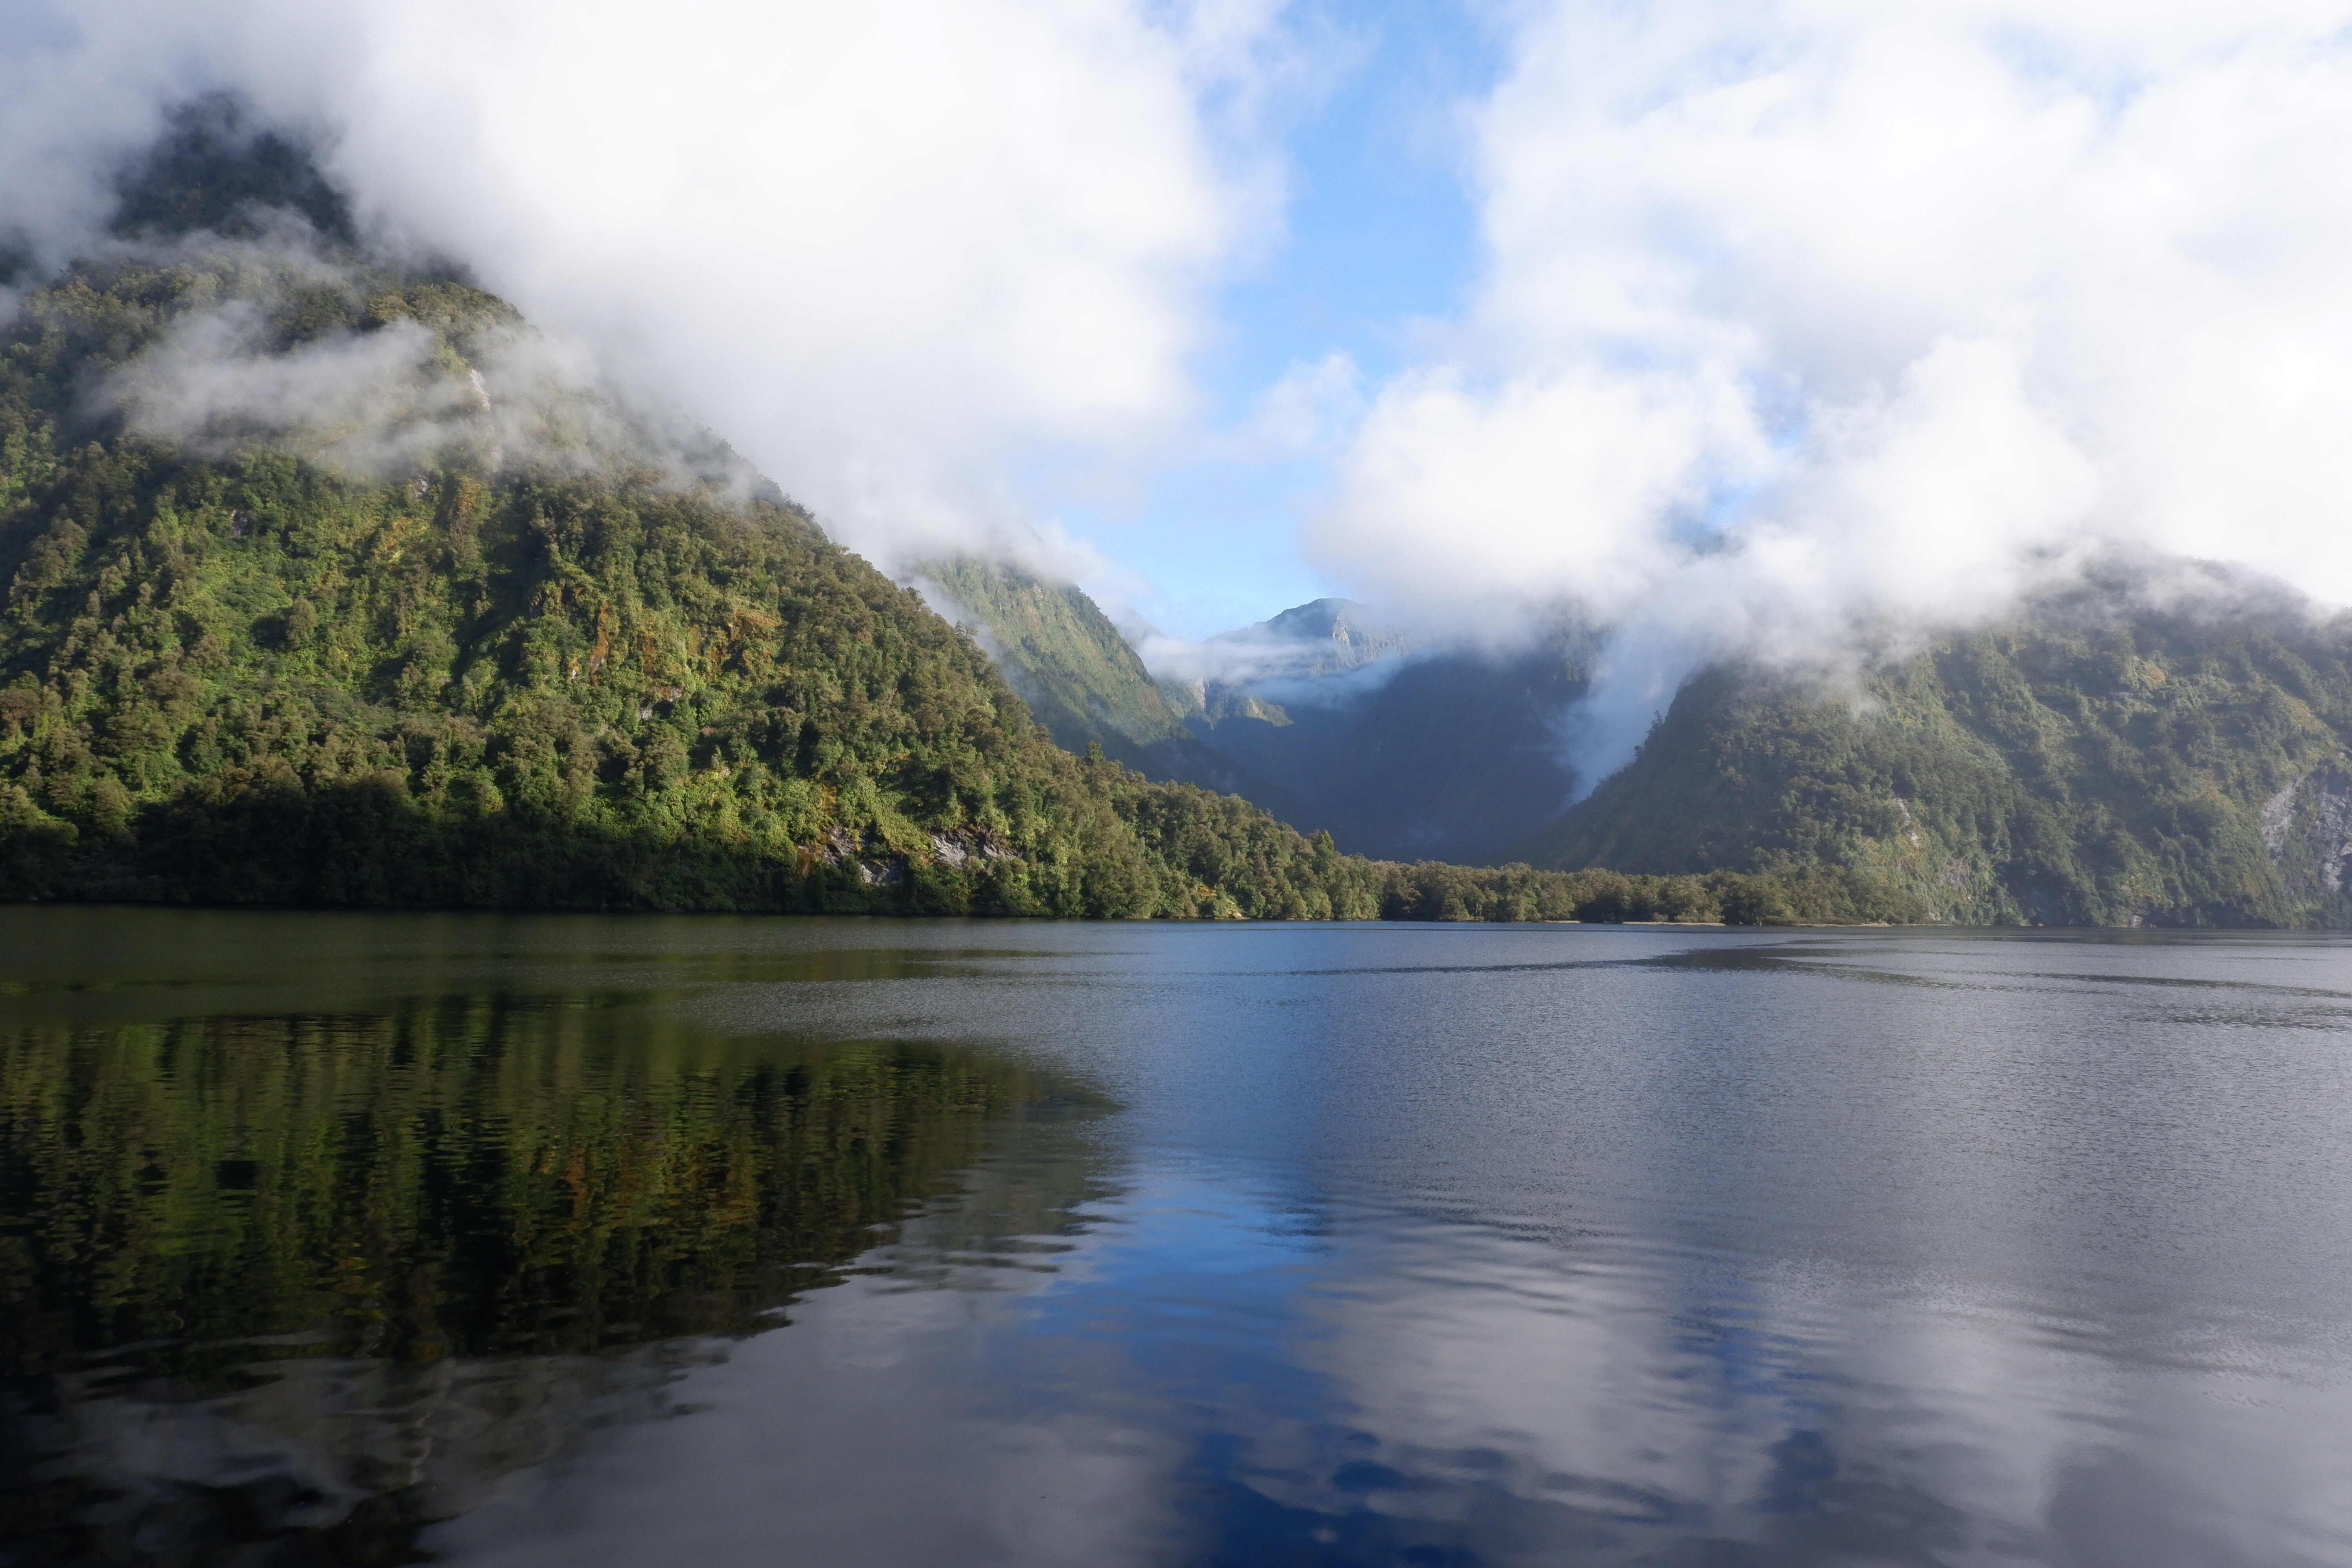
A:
{"x":883,"y":1426}
{"x":1314,"y":1246}
{"x":1215,"y":1373}
{"x":349,"y":1455}
{"x":1815,"y":1418}
{"x":842,"y":1440}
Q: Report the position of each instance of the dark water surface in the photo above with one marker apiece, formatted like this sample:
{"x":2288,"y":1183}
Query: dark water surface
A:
{"x":382,"y":1239}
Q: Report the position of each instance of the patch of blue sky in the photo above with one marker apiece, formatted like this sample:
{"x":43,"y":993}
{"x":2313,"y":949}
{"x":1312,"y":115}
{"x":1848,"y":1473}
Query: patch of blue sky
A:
{"x":1381,"y":236}
{"x":1382,"y":233}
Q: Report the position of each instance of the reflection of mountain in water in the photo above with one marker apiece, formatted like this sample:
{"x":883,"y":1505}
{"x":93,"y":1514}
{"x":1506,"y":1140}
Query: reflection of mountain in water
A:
{"x":319,"y":1279}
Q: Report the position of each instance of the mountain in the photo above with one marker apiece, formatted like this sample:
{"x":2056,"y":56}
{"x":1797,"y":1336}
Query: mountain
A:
{"x":1080,"y":677}
{"x":2147,"y":748}
{"x":1323,"y":714}
{"x":323,"y":586}
{"x":327,"y":582}
{"x":250,"y":677}
{"x":2099,"y":761}
{"x":1450,"y":755}
{"x":1306,"y":643}
{"x":1333,"y":634}
{"x":1319,"y":638}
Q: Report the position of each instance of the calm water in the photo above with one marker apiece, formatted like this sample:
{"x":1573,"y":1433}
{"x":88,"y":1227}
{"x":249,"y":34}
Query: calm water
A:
{"x":579,"y":1241}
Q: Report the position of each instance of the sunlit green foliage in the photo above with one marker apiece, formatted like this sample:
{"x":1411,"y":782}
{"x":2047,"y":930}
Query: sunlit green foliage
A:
{"x":2088,"y":766}
{"x":1077,"y":674}
{"x":250,"y":680}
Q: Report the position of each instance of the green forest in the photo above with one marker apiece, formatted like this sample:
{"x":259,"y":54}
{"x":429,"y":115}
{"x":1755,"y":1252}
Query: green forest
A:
{"x":2134,"y":751}
{"x":243,"y":676}
{"x":323,"y":586}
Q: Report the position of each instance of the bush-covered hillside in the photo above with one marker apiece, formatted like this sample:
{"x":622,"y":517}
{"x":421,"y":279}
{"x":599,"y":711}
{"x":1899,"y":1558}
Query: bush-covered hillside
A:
{"x":327,"y":581}
{"x":2091,"y":764}
{"x":1079,"y":678}
{"x":549,"y":680}
{"x":252,"y":678}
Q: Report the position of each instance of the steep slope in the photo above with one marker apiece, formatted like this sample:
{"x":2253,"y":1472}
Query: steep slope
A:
{"x":1306,"y":644}
{"x":492,"y":681}
{"x":1320,"y":714}
{"x":1335,"y":634}
{"x":1058,"y":649}
{"x":1454,"y":758}
{"x":327,"y":581}
{"x":1450,"y":756}
{"x":2088,"y":764}
{"x":1080,"y":677}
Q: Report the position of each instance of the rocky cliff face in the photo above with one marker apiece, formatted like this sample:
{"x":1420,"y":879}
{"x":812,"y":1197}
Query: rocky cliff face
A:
{"x":2306,"y":830}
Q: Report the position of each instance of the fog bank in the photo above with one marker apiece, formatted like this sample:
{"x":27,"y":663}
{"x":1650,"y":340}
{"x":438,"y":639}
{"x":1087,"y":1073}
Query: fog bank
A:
{"x":1810,"y":328}
{"x":884,"y":249}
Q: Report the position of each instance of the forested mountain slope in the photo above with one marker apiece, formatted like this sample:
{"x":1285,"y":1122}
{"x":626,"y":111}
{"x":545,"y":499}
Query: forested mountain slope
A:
{"x":2097,"y":761}
{"x":1322,"y":714}
{"x":326,"y":580}
{"x":1452,"y":756}
{"x":249,"y":677}
{"x":1080,"y":677}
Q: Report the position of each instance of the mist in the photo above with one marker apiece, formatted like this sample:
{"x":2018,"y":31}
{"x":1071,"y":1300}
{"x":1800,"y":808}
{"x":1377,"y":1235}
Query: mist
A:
{"x":1806,"y":330}
{"x":277,"y":344}
{"x":886,"y":251}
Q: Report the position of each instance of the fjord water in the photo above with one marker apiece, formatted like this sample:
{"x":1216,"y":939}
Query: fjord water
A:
{"x":372,"y":1239}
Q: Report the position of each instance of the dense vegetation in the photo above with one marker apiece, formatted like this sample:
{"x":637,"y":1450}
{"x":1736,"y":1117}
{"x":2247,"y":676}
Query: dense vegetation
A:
{"x":325,"y":583}
{"x":1080,"y":679}
{"x":322,"y":584}
{"x":1062,"y":653}
{"x":2103,"y":761}
{"x":246,"y":678}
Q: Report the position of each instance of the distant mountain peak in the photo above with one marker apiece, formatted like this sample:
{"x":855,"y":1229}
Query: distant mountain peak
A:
{"x":1316,"y":618}
{"x":1332,"y":635}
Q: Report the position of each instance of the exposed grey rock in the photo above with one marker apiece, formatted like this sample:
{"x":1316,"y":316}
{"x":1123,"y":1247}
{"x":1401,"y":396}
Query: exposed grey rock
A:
{"x":2306,"y":826}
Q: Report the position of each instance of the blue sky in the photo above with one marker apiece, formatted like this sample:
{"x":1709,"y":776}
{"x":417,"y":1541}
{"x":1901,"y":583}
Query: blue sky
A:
{"x":1380,"y":237}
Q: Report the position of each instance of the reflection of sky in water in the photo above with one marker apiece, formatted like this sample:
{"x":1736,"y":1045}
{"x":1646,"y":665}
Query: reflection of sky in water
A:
{"x":1810,"y":1251}
{"x":1217,"y":1373}
{"x":1502,"y":1246}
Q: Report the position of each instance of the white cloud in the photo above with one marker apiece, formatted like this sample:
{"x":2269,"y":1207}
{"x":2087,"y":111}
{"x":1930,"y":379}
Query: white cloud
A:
{"x":884,"y":249}
{"x":1802,"y":319}
{"x":385,"y":401}
{"x":1311,"y":407}
{"x":1457,"y":491}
